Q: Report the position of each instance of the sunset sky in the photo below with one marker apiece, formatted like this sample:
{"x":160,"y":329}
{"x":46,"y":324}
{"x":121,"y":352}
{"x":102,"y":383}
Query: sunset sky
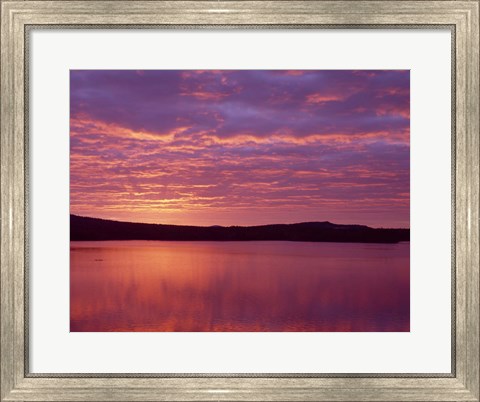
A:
{"x":244,"y":147}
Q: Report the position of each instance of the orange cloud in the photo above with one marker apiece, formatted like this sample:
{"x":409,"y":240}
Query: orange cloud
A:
{"x":319,"y":98}
{"x":205,"y":95}
{"x":84,"y":127}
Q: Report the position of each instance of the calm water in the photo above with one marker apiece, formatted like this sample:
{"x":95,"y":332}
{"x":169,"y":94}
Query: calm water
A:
{"x":239,"y":286}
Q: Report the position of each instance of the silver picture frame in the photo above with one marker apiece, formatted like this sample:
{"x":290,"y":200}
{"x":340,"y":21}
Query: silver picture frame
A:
{"x":19,"y":18}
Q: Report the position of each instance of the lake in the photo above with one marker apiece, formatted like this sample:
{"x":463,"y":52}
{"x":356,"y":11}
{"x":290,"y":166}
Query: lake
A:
{"x":239,"y":286}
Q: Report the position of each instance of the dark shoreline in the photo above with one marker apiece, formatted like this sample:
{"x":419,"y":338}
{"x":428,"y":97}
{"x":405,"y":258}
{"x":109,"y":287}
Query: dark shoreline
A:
{"x":93,"y":229}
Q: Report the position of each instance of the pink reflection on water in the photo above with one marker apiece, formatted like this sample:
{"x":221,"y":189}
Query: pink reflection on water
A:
{"x":239,"y":286}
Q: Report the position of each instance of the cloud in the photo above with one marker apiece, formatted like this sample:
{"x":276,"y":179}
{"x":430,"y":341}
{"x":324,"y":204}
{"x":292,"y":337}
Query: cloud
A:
{"x":319,"y":98}
{"x":241,"y":147}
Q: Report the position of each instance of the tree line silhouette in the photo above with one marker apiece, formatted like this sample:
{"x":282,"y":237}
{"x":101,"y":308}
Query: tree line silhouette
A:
{"x":85,"y":228}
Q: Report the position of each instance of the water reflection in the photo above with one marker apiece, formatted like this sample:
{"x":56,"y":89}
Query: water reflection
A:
{"x":238,"y":286}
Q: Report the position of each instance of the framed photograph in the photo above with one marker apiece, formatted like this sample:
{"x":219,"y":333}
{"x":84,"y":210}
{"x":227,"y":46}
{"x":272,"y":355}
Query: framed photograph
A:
{"x":240,"y":200}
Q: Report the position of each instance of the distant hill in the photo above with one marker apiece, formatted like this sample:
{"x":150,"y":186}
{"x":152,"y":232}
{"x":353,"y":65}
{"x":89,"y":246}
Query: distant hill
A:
{"x":83,"y":228}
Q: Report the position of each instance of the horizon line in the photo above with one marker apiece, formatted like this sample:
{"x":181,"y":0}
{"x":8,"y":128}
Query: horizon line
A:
{"x":222,"y":226}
